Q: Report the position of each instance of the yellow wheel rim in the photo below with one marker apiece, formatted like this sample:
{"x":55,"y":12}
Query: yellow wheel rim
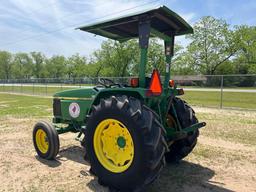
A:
{"x":113,"y":145}
{"x":42,"y":141}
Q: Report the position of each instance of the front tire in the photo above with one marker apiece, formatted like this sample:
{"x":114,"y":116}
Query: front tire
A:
{"x":124,"y":143}
{"x":46,"y":140}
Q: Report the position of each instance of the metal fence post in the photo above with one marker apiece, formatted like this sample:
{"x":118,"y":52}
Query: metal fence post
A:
{"x":45,"y":88}
{"x":221,"y":92}
{"x":33,"y":88}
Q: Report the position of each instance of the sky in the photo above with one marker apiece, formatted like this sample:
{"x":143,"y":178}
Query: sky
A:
{"x":49,"y":26}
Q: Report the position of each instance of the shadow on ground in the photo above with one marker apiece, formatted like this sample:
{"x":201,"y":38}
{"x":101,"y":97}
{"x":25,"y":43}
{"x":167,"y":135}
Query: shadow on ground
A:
{"x":186,"y":176}
{"x":49,"y":163}
{"x":72,"y":153}
{"x":182,"y":177}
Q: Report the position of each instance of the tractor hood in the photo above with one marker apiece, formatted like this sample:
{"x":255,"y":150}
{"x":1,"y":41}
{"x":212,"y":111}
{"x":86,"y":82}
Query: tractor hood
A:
{"x":64,"y":103}
{"x":77,"y":94}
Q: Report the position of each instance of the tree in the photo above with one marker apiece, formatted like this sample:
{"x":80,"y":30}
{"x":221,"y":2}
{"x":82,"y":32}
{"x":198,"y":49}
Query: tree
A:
{"x":156,"y":56}
{"x":213,"y":49}
{"x":246,"y":56}
{"x":122,"y":59}
{"x":212,"y":44}
{"x":38,"y":60}
{"x":22,"y":67}
{"x":6,"y":64}
{"x":56,"y":67}
{"x":76,"y":66}
{"x":95,"y":65}
{"x":183,"y":64}
{"x":116,"y":59}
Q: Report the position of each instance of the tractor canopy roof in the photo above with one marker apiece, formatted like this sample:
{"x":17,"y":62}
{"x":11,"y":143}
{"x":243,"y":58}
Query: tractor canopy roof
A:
{"x":163,"y":22}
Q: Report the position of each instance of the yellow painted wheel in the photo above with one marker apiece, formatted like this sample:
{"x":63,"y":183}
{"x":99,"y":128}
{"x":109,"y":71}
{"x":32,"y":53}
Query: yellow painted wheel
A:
{"x":42,"y":141}
{"x":46,"y":140}
{"x":113,"y":145}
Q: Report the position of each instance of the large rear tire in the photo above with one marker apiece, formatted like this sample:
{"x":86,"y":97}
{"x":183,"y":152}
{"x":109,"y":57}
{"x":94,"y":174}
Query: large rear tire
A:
{"x":181,"y":148}
{"x":124,"y":143}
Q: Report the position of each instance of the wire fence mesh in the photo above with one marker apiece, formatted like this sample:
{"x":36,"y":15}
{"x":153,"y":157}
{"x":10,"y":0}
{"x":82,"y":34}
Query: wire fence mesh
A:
{"x":220,"y":91}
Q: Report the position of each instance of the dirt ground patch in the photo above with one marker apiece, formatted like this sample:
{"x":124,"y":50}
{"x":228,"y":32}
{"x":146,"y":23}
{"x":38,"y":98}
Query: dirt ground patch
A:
{"x":216,"y":164}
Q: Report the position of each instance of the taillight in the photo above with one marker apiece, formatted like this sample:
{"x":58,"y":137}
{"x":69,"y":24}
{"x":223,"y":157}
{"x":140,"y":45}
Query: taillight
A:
{"x":171,"y":83}
{"x":134,"y":82}
{"x":155,"y":87}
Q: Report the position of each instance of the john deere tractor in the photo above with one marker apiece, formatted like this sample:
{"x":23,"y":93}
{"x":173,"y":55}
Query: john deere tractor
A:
{"x":128,"y":131}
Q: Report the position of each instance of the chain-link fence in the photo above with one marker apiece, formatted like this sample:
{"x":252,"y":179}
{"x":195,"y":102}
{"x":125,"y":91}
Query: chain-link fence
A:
{"x":49,"y":86}
{"x":221,"y":91}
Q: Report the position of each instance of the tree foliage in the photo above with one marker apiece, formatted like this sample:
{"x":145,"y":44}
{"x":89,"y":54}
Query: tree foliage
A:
{"x":56,"y":67}
{"x":214,"y":48}
{"x":246,"y":56}
{"x":76,"y":66}
{"x":6,"y":64}
{"x":22,"y":66}
{"x":38,"y":61}
{"x":211,"y":45}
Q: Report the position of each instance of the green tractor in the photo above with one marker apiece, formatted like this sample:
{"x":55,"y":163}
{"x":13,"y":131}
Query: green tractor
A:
{"x":128,"y":131}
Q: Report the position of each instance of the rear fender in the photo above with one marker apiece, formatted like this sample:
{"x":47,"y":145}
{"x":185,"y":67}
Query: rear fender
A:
{"x":118,"y":92}
{"x":106,"y":93}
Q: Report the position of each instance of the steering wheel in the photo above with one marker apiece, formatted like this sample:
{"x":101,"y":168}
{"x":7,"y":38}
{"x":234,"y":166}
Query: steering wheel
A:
{"x":108,"y":83}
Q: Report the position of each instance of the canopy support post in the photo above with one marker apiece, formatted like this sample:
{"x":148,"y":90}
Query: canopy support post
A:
{"x":169,"y":51}
{"x":144,"y":33}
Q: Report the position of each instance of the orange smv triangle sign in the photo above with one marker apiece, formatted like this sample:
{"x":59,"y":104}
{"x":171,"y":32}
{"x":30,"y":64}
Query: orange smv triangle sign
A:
{"x":155,"y":87}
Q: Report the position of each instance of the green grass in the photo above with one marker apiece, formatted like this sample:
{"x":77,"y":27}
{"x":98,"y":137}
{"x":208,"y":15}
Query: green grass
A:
{"x":234,"y":126}
{"x":212,"y":99}
{"x":218,"y":87}
{"x":33,"y":90}
{"x":25,"y":106}
{"x":197,"y":98}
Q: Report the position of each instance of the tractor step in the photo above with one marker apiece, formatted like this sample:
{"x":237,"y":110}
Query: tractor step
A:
{"x":184,"y":133}
{"x":194,"y":127}
{"x":78,"y":137}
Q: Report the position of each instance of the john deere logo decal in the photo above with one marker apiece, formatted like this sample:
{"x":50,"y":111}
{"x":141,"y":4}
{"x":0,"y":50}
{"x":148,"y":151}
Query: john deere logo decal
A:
{"x":74,"y":110}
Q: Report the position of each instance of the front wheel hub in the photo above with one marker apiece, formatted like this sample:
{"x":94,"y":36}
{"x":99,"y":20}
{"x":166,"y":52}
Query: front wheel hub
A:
{"x":42,"y":141}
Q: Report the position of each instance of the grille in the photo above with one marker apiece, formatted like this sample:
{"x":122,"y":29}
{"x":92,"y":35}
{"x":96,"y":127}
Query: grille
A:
{"x":56,"y":107}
